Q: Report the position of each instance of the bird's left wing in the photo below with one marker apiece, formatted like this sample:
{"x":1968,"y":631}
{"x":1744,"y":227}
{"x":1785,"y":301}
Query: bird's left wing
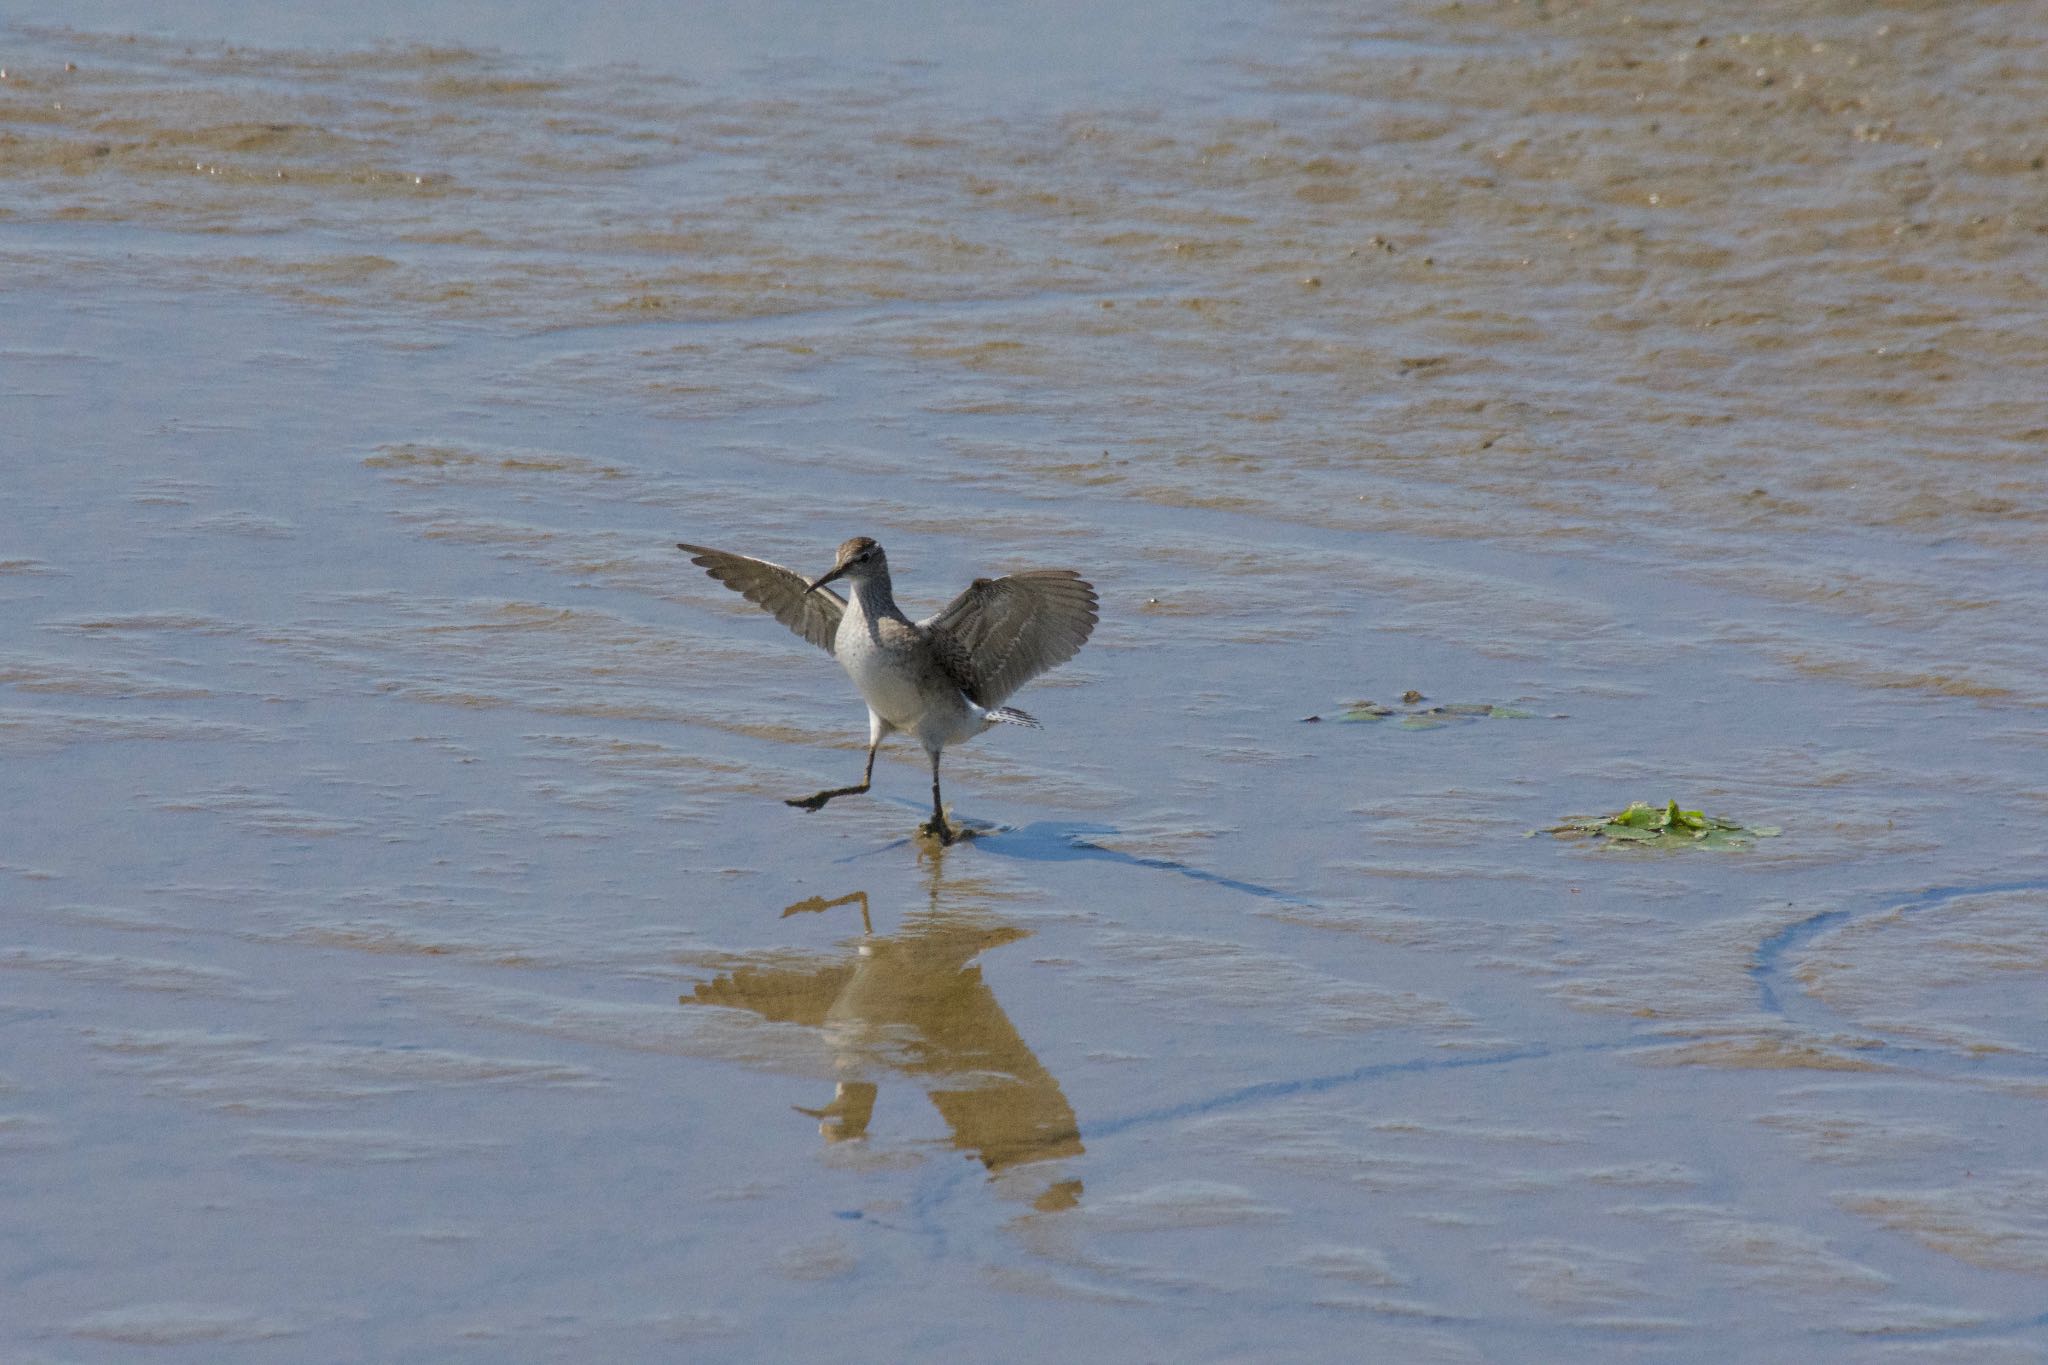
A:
{"x":1003,"y":632}
{"x":777,"y":591}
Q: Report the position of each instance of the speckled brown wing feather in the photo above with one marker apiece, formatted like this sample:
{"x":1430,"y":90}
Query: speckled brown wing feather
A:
{"x":1003,"y":632}
{"x":777,"y":591}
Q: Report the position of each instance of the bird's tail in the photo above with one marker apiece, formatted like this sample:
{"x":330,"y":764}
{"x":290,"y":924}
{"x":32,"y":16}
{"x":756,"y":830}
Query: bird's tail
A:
{"x":1010,"y":715}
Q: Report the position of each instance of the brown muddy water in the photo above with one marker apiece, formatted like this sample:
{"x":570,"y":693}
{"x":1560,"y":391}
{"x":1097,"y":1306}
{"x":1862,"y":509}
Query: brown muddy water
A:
{"x":405,"y":954}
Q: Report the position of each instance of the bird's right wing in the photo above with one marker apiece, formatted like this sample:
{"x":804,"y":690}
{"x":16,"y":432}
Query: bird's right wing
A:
{"x":777,"y":591}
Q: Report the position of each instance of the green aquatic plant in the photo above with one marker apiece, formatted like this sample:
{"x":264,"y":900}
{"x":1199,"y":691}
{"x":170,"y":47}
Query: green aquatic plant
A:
{"x":1414,"y":716}
{"x":1667,"y":825}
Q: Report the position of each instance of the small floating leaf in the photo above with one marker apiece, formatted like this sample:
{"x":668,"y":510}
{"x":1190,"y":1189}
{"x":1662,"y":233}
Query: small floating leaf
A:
{"x":1419,"y":717}
{"x":1638,"y":816}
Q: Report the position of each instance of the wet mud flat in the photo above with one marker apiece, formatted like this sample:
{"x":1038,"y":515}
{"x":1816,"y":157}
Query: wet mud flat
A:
{"x":406,"y":952}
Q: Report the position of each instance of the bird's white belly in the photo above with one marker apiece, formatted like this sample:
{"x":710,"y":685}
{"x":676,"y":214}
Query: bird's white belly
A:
{"x":899,"y":693}
{"x":888,"y":691}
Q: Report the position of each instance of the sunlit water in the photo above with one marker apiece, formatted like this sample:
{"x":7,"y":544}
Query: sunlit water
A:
{"x":406,"y":954}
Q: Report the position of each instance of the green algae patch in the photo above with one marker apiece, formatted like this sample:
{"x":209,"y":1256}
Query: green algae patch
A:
{"x":1665,"y":826}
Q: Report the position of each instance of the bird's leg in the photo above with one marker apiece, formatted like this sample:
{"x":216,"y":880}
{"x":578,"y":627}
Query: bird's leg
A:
{"x":937,"y":826}
{"x":817,"y":800}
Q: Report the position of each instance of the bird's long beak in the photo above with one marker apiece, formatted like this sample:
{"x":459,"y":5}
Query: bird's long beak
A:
{"x":826,"y":579}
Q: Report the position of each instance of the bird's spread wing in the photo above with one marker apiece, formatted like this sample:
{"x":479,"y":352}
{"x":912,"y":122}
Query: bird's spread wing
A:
{"x":777,"y":591}
{"x":1003,"y":632}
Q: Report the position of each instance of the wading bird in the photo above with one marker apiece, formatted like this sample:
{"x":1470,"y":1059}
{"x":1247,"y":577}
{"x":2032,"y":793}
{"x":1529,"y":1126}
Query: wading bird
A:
{"x":943,"y":679}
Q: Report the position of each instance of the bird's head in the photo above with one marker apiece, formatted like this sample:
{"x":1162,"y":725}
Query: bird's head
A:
{"x":859,"y":558}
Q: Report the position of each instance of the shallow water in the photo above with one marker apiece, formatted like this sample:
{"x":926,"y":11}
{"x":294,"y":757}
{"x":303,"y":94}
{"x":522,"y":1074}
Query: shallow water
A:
{"x":407,"y":955}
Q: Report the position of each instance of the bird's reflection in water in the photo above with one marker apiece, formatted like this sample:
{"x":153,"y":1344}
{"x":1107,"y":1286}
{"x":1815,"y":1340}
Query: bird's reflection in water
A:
{"x":912,"y":1004}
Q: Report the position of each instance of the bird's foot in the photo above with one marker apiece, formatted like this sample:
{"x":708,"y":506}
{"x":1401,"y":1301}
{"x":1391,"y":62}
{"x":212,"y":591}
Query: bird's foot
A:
{"x":817,"y":800}
{"x":938,"y":829}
